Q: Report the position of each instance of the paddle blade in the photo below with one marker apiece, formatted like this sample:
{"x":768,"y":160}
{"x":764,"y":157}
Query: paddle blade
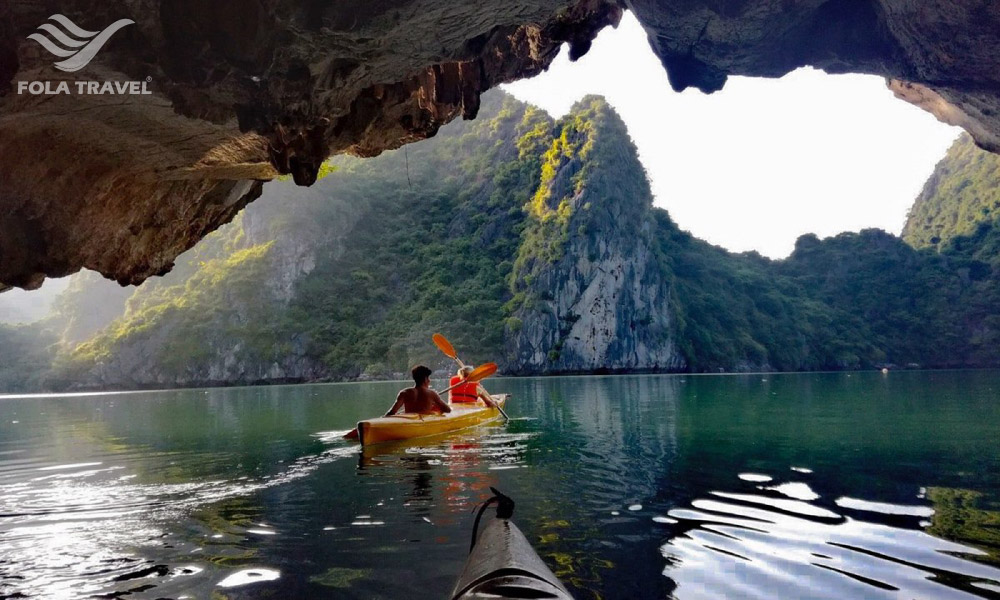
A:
{"x":478,"y":374}
{"x":482,"y":372}
{"x":443,"y":345}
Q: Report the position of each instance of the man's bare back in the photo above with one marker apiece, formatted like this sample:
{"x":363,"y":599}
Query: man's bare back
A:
{"x":420,"y":399}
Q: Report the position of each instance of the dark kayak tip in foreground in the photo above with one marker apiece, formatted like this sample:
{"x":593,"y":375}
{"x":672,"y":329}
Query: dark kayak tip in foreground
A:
{"x":502,"y":563}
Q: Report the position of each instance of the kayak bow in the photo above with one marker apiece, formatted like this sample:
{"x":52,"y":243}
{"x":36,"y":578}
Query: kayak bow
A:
{"x":503,"y":564}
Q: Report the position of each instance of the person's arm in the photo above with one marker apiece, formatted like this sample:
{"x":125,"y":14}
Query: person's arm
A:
{"x":439,"y":402}
{"x":396,"y":405}
{"x":486,"y":396}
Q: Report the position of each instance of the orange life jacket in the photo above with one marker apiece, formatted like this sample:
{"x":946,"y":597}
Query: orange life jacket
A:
{"x":467,"y":392}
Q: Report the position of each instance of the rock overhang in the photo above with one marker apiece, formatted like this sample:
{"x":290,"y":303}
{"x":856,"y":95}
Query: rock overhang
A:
{"x":244,"y":91}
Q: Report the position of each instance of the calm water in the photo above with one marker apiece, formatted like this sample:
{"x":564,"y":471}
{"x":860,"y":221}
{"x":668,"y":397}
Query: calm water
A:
{"x":774,"y":486}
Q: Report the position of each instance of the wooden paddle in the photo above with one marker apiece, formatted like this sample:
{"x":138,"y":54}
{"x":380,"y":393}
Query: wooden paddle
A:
{"x":445,"y":346}
{"x":478,"y":374}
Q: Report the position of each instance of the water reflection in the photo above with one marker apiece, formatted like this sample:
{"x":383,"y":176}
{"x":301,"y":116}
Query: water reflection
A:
{"x":58,"y":534}
{"x":462,"y":464}
{"x":730,"y":544}
{"x":71,"y":528}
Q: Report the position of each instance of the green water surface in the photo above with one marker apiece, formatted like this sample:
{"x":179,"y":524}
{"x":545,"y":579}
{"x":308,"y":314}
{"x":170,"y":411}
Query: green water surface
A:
{"x":856,"y":485}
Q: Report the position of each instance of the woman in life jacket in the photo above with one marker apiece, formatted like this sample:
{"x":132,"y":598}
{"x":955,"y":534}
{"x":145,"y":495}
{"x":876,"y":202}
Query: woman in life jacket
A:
{"x":467,"y":393}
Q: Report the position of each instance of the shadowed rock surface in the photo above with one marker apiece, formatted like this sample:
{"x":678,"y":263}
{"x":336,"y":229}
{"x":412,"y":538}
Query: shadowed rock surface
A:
{"x":243,"y":91}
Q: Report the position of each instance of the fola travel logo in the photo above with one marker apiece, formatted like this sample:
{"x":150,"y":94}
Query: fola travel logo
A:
{"x":64,"y":39}
{"x":79,"y":50}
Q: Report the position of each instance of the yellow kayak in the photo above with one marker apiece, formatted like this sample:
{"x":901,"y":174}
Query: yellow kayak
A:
{"x":408,"y":426}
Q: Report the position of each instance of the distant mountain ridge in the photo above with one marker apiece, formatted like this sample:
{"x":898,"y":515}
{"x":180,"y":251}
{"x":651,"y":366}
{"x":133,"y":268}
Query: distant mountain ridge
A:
{"x":527,"y":240}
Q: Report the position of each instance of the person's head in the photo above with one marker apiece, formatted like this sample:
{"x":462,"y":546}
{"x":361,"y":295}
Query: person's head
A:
{"x":465,"y":371}
{"x":421,"y":375}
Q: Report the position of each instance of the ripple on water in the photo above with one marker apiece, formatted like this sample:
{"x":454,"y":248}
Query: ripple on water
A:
{"x":884,"y":508}
{"x":332,"y":437}
{"x":801,"y":549}
{"x":793,"y":506}
{"x":995,"y":588}
{"x":796,"y":490}
{"x":69,"y":466}
{"x":66,"y":526}
{"x":247,"y":576}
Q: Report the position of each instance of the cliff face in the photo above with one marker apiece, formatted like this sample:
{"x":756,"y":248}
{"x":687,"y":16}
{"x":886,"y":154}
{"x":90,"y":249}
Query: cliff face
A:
{"x":180,"y":332}
{"x":244,"y":91}
{"x":219,"y":360}
{"x":590,"y":292}
{"x":221,"y":317}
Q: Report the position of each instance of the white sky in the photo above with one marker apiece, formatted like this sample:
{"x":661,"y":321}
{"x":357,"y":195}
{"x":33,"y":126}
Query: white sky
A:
{"x":763,"y":161}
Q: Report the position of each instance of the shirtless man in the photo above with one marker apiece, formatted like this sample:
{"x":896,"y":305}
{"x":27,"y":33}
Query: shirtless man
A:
{"x":420,"y":398}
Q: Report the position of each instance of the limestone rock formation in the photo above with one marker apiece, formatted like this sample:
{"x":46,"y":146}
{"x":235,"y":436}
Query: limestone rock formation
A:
{"x":591,"y":293}
{"x":244,"y":90}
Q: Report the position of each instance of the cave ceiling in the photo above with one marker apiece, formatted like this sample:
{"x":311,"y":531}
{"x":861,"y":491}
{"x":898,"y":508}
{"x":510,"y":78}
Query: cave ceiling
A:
{"x":175,"y":112}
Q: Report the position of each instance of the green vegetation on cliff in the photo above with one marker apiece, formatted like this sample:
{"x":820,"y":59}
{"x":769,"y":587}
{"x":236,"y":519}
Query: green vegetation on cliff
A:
{"x":857,"y":300}
{"x":182,"y":319}
{"x":962,"y":192}
{"x":433,"y":249}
